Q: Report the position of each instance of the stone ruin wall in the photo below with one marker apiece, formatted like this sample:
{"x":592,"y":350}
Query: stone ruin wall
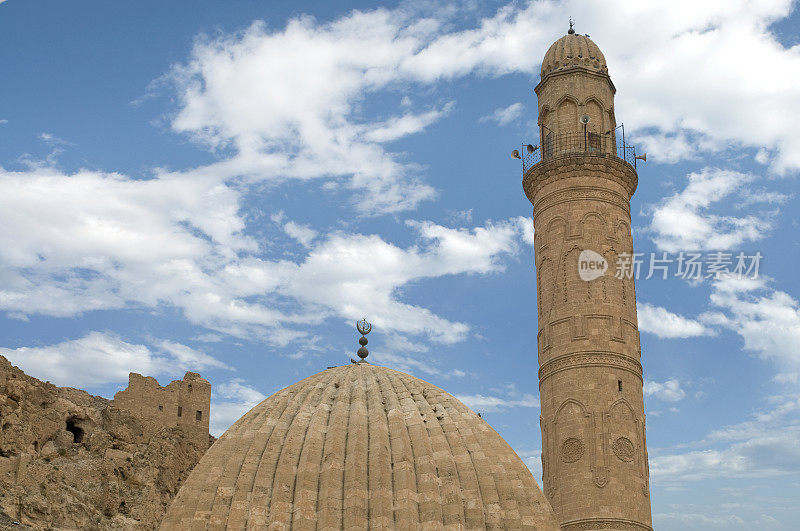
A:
{"x":70,"y":460}
{"x":185,"y":402}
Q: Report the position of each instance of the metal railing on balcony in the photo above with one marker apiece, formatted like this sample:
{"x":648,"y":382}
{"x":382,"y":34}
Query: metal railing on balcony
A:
{"x":554,"y":145}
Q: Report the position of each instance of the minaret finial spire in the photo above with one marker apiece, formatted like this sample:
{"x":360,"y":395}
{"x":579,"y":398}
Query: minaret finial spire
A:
{"x":363,"y":328}
{"x":571,"y":30}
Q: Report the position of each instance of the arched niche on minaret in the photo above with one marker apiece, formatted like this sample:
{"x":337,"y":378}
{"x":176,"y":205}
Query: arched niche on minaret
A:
{"x":567,"y":113}
{"x":594,"y":110}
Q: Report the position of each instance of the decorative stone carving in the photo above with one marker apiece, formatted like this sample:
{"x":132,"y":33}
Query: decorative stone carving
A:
{"x":590,"y":359}
{"x":617,"y":524}
{"x":582,"y":193}
{"x":612,"y":168}
{"x":624,"y":449}
{"x":572,"y":450}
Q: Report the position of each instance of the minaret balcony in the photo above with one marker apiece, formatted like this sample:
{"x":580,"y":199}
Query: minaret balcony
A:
{"x":559,"y":145}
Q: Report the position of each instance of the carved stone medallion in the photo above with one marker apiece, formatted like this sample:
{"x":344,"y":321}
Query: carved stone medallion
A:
{"x":572,"y":449}
{"x":623,"y":448}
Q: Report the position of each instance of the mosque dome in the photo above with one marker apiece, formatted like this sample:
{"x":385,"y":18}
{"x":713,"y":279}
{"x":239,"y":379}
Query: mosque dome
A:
{"x":571,"y":51}
{"x":360,"y":446}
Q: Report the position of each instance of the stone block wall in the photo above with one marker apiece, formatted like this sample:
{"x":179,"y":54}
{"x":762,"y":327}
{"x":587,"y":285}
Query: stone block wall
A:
{"x":185,"y":402}
{"x":594,"y":456}
{"x":70,"y":460}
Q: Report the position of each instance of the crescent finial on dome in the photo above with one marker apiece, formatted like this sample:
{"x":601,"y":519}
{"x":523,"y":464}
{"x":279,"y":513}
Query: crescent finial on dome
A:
{"x":363,"y":328}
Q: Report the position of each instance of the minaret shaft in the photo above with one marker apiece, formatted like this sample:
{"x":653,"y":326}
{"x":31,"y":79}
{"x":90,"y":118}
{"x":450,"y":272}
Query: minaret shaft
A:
{"x":594,"y":455}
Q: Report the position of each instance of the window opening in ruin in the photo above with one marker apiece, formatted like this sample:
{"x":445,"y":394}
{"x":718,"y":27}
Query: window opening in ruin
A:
{"x":619,"y":384}
{"x":180,"y":411}
{"x":161,"y":408}
{"x":190,"y":388}
{"x":75,"y":430}
{"x":198,"y":415}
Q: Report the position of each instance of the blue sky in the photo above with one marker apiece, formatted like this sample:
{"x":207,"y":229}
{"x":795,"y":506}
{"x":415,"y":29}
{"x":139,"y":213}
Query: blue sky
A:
{"x":227,"y":187}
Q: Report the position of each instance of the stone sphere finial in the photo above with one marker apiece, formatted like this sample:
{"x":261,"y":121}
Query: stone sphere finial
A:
{"x":363,"y":328}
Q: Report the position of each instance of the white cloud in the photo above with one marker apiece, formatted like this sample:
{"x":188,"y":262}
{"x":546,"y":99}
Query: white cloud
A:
{"x":284,"y":100}
{"x":288,"y":101}
{"x":277,"y":217}
{"x":678,"y":70}
{"x":533,"y":460}
{"x":465,"y":250}
{"x":487,"y":403}
{"x":208,"y":338}
{"x":100,"y":358}
{"x":672,"y":147}
{"x":350,"y":274}
{"x":688,"y":64}
{"x":89,"y":241}
{"x":458,"y":217}
{"x":229,"y":401}
{"x":302,"y":233}
{"x":52,"y":139}
{"x":682,"y":66}
{"x":3,"y":122}
{"x":775,"y":415}
{"x":775,"y":452}
{"x":685,"y":222}
{"x":665,"y":324}
{"x":766,"y":446}
{"x":185,"y":356}
{"x":236,"y":389}
{"x":668,"y":391}
{"x":668,"y":148}
{"x":505,"y":115}
{"x":510,"y":398}
{"x":526,"y":226}
{"x":687,"y":520}
{"x":86,"y":241}
{"x":405,"y":125}
{"x":768,"y":321}
{"x":409,"y":363}
{"x":753,"y":197}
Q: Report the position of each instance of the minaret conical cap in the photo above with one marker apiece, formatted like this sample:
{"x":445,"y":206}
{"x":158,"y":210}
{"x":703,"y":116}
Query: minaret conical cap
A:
{"x":573,"y":50}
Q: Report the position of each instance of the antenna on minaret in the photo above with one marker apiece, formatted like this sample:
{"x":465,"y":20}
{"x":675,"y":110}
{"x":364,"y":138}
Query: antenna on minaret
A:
{"x":571,"y":22}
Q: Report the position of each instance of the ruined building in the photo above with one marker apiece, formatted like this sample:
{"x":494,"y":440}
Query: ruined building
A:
{"x":365,"y":446}
{"x":70,"y":460}
{"x":184,"y":403}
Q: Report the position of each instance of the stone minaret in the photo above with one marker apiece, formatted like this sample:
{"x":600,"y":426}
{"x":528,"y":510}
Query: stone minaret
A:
{"x":580,"y":182}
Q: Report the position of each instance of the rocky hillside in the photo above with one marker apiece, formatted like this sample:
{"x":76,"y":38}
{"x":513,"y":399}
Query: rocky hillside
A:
{"x":70,"y":460}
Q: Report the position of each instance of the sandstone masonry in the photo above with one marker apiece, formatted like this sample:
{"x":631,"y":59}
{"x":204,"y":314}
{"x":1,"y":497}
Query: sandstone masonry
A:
{"x":70,"y":460}
{"x":184,"y":403}
{"x":594,"y":457}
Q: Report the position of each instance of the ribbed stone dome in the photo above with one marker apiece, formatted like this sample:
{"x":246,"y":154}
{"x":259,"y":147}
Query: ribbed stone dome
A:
{"x":360,"y":446}
{"x":573,"y":50}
